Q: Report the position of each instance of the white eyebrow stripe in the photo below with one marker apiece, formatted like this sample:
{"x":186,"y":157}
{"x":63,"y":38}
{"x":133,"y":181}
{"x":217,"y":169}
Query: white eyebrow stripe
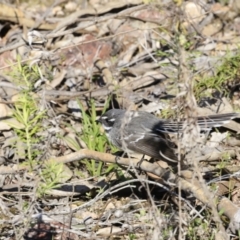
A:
{"x":111,"y":120}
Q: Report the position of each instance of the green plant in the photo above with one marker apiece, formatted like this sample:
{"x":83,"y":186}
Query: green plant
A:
{"x":51,"y":175}
{"x":225,"y":158}
{"x":28,"y":126}
{"x":199,"y":225}
{"x":167,"y":232}
{"x":94,"y":139}
{"x":26,"y":112}
{"x":24,"y":75}
{"x":228,"y":71}
{"x":167,"y":113}
{"x":132,"y":236}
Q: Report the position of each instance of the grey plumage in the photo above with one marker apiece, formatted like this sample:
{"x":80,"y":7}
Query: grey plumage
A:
{"x":145,"y":133}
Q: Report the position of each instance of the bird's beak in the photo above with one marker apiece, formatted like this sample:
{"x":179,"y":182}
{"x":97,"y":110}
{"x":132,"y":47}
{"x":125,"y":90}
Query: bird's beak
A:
{"x":98,"y":120}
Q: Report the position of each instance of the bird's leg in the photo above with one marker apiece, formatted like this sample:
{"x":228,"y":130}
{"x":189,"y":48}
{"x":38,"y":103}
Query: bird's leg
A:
{"x":140,"y":162}
{"x":119,"y":154}
{"x":207,"y":135}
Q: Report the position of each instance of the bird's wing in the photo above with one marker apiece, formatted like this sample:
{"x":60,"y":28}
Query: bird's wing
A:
{"x":151,"y":145}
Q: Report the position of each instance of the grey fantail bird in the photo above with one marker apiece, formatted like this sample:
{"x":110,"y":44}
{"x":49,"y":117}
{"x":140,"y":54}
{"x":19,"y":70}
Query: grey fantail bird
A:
{"x":144,"y":133}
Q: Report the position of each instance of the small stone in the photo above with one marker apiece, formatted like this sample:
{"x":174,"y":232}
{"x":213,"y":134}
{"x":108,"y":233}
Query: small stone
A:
{"x":118,"y":213}
{"x":71,"y":6}
{"x":194,"y":12}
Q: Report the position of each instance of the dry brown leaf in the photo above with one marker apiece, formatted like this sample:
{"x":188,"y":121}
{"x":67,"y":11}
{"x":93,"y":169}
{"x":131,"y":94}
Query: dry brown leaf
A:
{"x":58,"y":79}
{"x":10,"y":123}
{"x":5,"y":111}
{"x":9,"y":13}
{"x":108,"y":231}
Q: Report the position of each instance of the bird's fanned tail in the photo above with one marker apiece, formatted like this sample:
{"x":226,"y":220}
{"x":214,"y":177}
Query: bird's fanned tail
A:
{"x":205,"y":123}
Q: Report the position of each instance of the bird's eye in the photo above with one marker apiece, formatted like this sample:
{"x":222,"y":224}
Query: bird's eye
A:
{"x":109,"y":121}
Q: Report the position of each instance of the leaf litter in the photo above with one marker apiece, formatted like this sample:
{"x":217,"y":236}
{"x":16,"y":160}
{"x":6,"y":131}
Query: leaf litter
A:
{"x":73,"y":60}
